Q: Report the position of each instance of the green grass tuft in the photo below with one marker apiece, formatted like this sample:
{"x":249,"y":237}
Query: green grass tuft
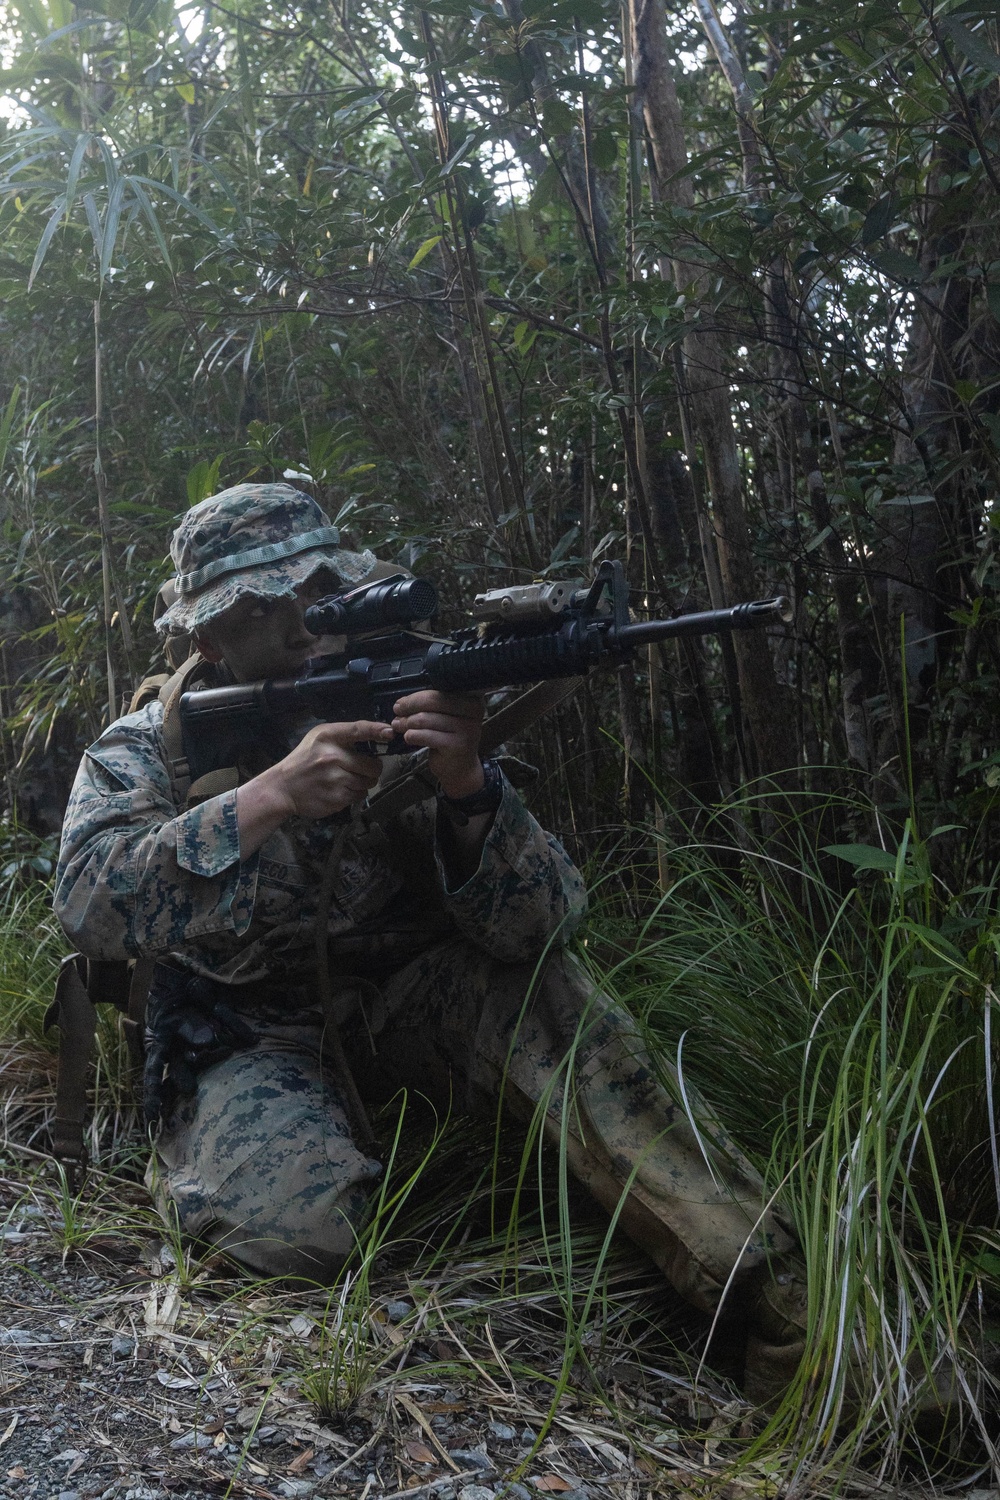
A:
{"x":837,"y":1007}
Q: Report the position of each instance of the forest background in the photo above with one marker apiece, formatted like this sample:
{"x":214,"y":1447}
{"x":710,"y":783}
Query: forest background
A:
{"x":514,"y":287}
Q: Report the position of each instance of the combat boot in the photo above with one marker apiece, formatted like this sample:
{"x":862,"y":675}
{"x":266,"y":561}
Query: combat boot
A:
{"x":777,"y":1317}
{"x":776,"y":1342}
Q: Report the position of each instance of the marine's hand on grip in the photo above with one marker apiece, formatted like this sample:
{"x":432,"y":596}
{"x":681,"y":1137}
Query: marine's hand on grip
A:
{"x":323,"y":775}
{"x":326,"y":772}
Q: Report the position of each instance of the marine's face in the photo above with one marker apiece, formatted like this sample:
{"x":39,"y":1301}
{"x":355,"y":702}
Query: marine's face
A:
{"x":265,"y":637}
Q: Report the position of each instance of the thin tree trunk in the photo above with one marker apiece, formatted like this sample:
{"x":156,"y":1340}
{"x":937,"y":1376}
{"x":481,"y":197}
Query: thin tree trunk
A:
{"x":764,"y":702}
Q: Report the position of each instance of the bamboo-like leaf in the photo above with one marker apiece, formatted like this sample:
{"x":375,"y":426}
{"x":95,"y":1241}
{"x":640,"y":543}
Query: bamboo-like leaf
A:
{"x":55,"y":220}
{"x":110,"y":165}
{"x":181,"y":199}
{"x":75,"y":163}
{"x":424,"y":251}
{"x":72,"y":29}
{"x":149,"y":213}
{"x":94,"y":220}
{"x":974,"y":44}
{"x":7,"y":423}
{"x":112,"y":215}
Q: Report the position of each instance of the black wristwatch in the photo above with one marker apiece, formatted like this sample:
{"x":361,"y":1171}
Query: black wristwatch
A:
{"x":486,"y":800}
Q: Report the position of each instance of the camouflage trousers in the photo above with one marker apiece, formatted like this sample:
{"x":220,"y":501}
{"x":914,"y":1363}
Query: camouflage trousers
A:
{"x":261,"y":1161}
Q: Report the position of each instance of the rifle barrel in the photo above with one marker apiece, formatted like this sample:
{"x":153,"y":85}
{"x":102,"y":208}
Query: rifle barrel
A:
{"x":707,"y":622}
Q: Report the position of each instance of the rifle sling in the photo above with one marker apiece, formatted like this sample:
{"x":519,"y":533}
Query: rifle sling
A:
{"x":514,"y":718}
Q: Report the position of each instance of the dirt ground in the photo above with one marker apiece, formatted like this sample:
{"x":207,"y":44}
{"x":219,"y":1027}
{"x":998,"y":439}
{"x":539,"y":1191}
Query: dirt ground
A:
{"x":129,"y":1371}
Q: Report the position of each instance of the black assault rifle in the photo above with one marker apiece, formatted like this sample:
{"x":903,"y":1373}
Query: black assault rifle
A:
{"x":525,"y":634}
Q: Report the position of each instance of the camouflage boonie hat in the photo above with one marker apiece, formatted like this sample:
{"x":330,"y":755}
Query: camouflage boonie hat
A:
{"x":260,"y":539}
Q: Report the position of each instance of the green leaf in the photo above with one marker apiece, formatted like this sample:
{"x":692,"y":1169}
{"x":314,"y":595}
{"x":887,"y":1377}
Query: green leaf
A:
{"x":877,"y":220}
{"x":524,"y":336}
{"x":862,"y":856}
{"x":971,"y":43}
{"x":934,"y":940}
{"x":186,"y":91}
{"x":94,"y":220}
{"x":149,"y":214}
{"x":557,"y":117}
{"x":43,"y":244}
{"x":818,"y":541}
{"x":203,"y":479}
{"x":993,"y":298}
{"x":75,"y":163}
{"x":424,"y":251}
{"x":604,"y":148}
{"x":112,"y":216}
{"x":899,"y":267}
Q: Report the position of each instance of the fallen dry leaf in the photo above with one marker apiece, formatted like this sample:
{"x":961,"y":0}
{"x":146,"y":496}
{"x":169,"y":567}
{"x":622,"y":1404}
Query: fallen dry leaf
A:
{"x":419,"y":1452}
{"x":297,"y":1465}
{"x":160,"y":1317}
{"x":175,"y":1382}
{"x":9,"y":1433}
{"x":552,"y":1483}
{"x":17,"y":1472}
{"x":421,"y":1420}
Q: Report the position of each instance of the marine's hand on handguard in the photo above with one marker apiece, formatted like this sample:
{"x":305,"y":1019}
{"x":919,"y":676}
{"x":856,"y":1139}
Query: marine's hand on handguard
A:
{"x":449,"y":726}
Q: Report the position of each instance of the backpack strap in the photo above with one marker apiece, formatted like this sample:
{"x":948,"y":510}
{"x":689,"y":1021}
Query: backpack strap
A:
{"x":173,"y":738}
{"x":72,"y":1010}
{"x":81,"y":986}
{"x":148,"y":690}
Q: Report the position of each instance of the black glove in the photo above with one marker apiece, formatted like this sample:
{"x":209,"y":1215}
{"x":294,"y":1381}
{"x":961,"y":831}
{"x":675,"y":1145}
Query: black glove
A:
{"x":189,"y":1027}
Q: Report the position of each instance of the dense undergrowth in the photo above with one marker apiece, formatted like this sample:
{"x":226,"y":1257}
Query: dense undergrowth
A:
{"x":836,"y":1007}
